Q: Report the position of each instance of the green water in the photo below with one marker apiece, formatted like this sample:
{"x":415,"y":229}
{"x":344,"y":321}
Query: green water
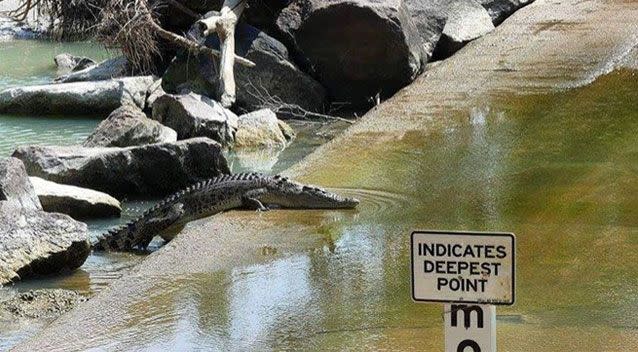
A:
{"x":25,"y":62}
{"x":31,"y":62}
{"x":559,"y":170}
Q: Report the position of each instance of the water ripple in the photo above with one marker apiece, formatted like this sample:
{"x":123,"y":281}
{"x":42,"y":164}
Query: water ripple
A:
{"x":376,"y":201}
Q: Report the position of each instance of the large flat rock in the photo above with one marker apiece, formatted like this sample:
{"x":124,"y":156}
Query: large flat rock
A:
{"x":77,"y":202}
{"x":34,"y":242}
{"x":84,"y":98}
{"x":154,"y":169}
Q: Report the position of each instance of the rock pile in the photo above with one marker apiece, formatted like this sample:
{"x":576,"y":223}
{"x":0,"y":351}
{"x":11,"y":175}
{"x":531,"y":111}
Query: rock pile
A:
{"x":308,"y":55}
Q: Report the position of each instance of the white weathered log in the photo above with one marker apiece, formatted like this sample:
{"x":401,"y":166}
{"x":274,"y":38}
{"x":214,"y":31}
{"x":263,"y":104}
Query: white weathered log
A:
{"x":224,"y":25}
{"x":208,"y":24}
{"x":230,"y":12}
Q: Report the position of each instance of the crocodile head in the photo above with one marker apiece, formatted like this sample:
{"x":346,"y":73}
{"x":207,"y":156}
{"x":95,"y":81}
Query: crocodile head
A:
{"x":289,"y":194}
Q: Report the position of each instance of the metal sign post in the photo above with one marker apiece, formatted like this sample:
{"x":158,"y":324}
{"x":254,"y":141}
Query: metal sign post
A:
{"x":470,"y":272}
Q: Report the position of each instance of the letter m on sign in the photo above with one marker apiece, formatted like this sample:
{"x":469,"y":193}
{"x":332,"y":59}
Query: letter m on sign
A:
{"x":467,"y":314}
{"x":470,"y":328}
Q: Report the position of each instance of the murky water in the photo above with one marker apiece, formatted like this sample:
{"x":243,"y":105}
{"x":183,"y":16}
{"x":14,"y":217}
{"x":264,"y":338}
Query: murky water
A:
{"x":31,"y":62}
{"x":559,"y":170}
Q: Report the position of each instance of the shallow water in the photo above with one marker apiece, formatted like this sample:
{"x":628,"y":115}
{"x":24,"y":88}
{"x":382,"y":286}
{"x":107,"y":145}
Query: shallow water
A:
{"x":31,"y":62}
{"x":559,"y":170}
{"x":26,"y":62}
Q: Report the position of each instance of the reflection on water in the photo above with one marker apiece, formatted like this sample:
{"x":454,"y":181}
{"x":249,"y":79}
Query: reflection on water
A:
{"x":309,"y":135}
{"x":255,"y":313}
{"x":559,"y":170}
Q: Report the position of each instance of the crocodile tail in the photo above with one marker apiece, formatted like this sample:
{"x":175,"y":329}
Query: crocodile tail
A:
{"x":114,"y":239}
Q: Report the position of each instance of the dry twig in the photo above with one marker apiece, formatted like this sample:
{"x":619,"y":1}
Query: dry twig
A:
{"x":277,"y":105}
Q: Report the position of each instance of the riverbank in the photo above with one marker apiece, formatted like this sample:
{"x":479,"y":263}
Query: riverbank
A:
{"x":274,"y":281}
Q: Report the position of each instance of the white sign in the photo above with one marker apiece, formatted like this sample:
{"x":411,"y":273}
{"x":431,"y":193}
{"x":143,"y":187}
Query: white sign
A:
{"x":470,"y":328}
{"x":463,"y":267}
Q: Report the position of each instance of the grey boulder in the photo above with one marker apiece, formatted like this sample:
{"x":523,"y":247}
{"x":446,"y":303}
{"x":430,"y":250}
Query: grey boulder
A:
{"x":499,"y":10}
{"x":154,"y":169}
{"x":105,"y":70}
{"x":15,"y":186}
{"x":355,"y":48}
{"x":262,"y":129}
{"x":274,"y":79}
{"x":445,"y":26}
{"x":77,"y":202}
{"x":194,"y":115}
{"x":129,"y":126}
{"x":466,"y":20}
{"x":154,"y":92}
{"x":34,"y":242}
{"x":86,"y":98}
{"x":429,"y":18}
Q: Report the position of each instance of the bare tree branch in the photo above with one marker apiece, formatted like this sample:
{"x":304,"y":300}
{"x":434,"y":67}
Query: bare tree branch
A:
{"x":132,"y":26}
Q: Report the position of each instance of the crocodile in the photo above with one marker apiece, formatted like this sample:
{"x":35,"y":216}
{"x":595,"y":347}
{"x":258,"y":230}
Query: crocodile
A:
{"x":245,"y":190}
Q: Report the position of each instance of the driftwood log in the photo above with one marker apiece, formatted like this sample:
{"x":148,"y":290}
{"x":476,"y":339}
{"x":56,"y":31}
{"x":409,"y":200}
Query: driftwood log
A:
{"x":224,"y":25}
